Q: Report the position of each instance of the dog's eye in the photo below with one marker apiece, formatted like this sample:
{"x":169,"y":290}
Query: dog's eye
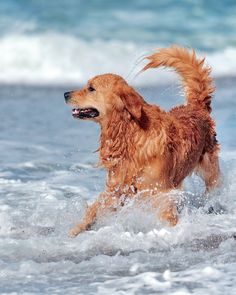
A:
{"x":91,"y":89}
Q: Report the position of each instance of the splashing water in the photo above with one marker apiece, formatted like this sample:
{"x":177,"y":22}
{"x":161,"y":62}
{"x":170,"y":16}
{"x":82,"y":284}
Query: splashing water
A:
{"x":47,"y":176}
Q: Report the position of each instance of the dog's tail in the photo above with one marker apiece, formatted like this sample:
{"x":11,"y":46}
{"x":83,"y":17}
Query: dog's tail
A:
{"x":195,"y":75}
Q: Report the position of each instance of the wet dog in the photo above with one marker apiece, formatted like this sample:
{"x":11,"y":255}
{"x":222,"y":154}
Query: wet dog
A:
{"x":146,"y":150}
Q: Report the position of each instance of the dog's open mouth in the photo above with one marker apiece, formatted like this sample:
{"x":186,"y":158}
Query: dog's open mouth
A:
{"x":85,"y":113}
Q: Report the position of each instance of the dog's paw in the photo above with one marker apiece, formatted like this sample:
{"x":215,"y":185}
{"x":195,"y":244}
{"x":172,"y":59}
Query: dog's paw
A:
{"x":73,"y":233}
{"x":76,"y":230}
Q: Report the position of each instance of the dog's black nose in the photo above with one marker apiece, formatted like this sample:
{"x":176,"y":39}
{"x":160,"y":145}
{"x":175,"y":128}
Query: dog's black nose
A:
{"x":67,"y":96}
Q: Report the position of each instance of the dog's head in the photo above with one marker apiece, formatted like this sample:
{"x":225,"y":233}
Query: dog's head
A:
{"x":103,"y":95}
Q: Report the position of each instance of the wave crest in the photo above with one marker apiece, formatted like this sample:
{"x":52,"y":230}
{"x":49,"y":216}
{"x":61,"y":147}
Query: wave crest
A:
{"x":56,"y":58}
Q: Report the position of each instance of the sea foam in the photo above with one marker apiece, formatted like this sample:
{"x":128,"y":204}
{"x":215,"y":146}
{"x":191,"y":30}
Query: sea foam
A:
{"x":53,"y":58}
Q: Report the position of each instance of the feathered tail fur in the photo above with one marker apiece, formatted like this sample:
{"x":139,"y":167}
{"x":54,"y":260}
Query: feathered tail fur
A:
{"x":195,"y":75}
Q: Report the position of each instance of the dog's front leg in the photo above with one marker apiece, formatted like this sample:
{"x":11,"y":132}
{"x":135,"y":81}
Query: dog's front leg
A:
{"x":89,"y":219}
{"x":105,"y":202}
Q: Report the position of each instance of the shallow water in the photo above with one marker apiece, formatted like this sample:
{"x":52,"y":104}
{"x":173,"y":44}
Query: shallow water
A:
{"x":48,"y":174}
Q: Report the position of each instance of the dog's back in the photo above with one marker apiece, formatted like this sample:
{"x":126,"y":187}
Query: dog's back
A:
{"x":193,"y":132}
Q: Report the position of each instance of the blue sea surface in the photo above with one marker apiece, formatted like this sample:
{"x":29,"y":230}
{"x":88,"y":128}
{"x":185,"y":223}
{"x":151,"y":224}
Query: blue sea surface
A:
{"x":48,"y":170}
{"x":205,"y":25}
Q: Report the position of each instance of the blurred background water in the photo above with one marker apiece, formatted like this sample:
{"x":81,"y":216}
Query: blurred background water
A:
{"x":68,"y":41}
{"x":47,"y":164}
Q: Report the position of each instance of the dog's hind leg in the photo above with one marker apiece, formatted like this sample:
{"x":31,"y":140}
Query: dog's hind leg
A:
{"x":209,"y":170}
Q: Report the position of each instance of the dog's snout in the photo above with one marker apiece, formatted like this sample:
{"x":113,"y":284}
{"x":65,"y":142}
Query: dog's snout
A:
{"x":67,"y":96}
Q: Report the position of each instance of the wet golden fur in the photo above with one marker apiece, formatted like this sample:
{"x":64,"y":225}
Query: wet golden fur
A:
{"x":146,"y":150}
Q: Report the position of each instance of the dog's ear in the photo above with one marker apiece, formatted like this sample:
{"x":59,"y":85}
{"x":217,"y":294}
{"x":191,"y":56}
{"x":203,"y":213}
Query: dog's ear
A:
{"x":132,"y":100}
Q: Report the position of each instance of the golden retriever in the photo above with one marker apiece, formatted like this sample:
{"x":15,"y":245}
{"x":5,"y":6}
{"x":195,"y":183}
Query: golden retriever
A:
{"x":146,"y":150}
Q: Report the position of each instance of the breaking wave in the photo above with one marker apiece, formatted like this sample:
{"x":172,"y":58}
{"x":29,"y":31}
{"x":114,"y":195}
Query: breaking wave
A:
{"x":53,"y":58}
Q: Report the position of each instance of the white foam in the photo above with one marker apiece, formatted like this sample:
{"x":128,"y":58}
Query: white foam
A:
{"x":52,"y":58}
{"x":128,"y":252}
{"x":56,"y":58}
{"x":5,"y":221}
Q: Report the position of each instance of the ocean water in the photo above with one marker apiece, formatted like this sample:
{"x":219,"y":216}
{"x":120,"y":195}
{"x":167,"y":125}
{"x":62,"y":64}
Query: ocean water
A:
{"x":45,"y":42}
{"x":48,"y":165}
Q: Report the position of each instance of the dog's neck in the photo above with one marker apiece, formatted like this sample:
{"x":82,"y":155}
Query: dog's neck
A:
{"x":115,"y":141}
{"x":122,"y":136}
